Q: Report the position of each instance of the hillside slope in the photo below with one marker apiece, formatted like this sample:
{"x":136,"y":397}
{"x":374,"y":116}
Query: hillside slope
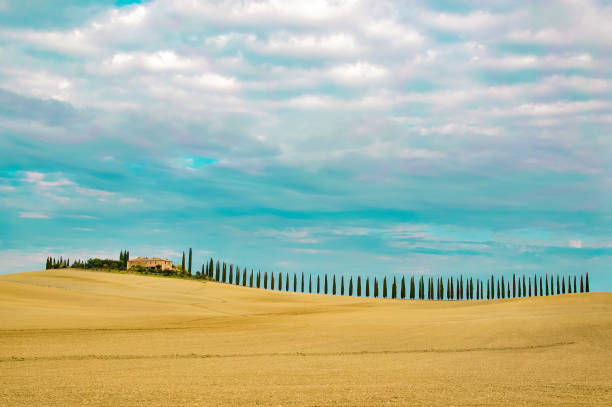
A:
{"x":72,"y":337}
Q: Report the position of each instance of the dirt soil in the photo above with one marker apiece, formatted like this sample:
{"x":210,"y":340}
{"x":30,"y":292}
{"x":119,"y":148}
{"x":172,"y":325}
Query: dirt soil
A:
{"x":75,"y":337}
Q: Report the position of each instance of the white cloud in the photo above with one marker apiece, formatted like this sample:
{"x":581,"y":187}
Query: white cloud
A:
{"x":576,"y":244}
{"x":474,"y":21}
{"x":210,"y":81}
{"x":165,"y":60}
{"x":514,"y":62}
{"x":560,"y":108}
{"x":41,"y":84}
{"x":395,"y":34}
{"x":38,"y":179}
{"x":130,"y":200}
{"x":33,"y":215}
{"x":358,"y":73}
{"x":301,"y":45}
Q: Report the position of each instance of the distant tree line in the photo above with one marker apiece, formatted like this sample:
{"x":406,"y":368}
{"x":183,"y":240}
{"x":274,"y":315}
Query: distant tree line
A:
{"x":121,"y":264}
{"x":421,"y":288}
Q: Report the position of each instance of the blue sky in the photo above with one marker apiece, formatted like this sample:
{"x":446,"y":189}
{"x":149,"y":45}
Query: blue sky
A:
{"x":357,"y":137}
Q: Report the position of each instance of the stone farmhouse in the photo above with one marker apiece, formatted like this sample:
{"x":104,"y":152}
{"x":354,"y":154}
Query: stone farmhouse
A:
{"x":153,"y":263}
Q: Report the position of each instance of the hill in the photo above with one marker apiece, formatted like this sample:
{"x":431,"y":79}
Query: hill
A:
{"x":75,"y":337}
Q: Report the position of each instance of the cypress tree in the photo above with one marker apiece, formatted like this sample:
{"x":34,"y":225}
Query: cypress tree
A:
{"x":535,"y":285}
{"x":513,"y":286}
{"x":546,"y":283}
{"x":183,"y":262}
{"x":244,"y":277}
{"x":302,"y":281}
{"x":325,"y":286}
{"x":541,"y":291}
{"x":503,"y":287}
{"x":448,"y":289}
{"x":350,"y":292}
{"x":524,"y":287}
{"x":430,"y":284}
{"x":552,"y":286}
{"x":442,"y":294}
{"x":529,"y":286}
{"x":287,"y":282}
{"x":385,"y":287}
{"x":498,"y":293}
{"x":342,"y":285}
{"x":575,"y":284}
{"x":563,"y":285}
{"x":280,"y":281}
{"x":334,"y":284}
{"x":265,"y":286}
{"x":367,"y":287}
{"x":581,"y":285}
{"x":587,"y":283}
{"x":318,"y":284}
{"x":412,"y":287}
{"x":460,"y":288}
{"x":310,"y":283}
{"x":271,"y":280}
{"x":224,"y":271}
{"x":375,"y":288}
{"x":359,"y":285}
{"x":394,"y":289}
{"x":231,"y":274}
{"x":250,"y":278}
{"x":190,"y":261}
{"x":488,"y":290}
{"x":558,"y":285}
{"x":218,"y":272}
{"x":403,"y":289}
{"x":295,"y":286}
{"x":211,"y":266}
{"x":569,"y":284}
{"x":508,"y":291}
{"x":420,"y":289}
{"x":471,"y":288}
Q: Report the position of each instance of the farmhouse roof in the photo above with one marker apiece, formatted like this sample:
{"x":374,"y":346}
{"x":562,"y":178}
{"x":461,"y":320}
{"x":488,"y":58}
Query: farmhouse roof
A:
{"x":146,"y":258}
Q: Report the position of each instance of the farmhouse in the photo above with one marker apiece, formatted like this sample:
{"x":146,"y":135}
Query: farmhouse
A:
{"x":153,"y":263}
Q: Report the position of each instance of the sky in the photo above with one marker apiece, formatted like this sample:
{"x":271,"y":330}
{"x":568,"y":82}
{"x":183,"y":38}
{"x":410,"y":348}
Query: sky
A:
{"x":353,"y":137}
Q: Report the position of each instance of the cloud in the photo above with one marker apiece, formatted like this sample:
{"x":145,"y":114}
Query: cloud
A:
{"x":417,"y":132}
{"x":160,"y":61}
{"x":38,"y":179}
{"x":576,"y":244}
{"x":33,"y":215}
{"x":130,"y":200}
{"x":296,"y":45}
{"x":358,"y":73}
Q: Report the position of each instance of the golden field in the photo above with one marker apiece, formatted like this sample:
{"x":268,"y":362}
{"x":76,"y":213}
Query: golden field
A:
{"x":75,"y":337}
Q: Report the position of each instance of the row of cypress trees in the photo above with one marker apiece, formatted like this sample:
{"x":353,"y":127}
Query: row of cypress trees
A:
{"x":413,"y":288}
{"x":184,"y":268}
{"x":124,"y":257}
{"x":53,"y":263}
